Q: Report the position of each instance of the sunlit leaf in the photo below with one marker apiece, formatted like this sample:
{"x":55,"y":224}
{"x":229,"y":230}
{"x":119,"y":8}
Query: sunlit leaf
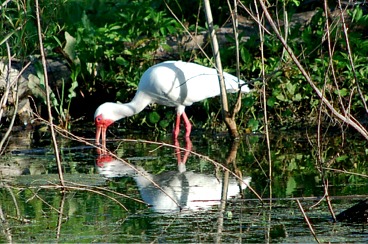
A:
{"x":297,"y":97}
{"x":291,"y":88}
{"x":342,"y":92}
{"x":341,"y":158}
{"x":290,"y":186}
{"x":280,"y":97}
{"x":121,"y":61}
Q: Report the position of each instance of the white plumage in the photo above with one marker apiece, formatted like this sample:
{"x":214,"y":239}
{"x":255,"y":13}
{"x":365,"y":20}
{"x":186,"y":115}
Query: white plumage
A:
{"x":172,"y":83}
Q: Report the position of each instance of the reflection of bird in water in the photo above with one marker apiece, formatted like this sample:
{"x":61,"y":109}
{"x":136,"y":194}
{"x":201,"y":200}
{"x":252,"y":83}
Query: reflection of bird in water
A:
{"x":172,"y":83}
{"x":192,"y":191}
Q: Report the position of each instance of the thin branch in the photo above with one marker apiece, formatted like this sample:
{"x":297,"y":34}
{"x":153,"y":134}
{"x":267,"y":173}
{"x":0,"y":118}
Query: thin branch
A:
{"x":43,"y":58}
{"x":61,"y":215}
{"x":4,"y":3}
{"x":234,"y":18}
{"x":229,"y":121}
{"x":307,"y":221}
{"x":264,"y":84}
{"x":345,"y":172}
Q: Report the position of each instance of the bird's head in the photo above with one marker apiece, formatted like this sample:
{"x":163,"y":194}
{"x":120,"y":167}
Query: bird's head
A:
{"x":103,"y":119}
{"x":104,"y":115}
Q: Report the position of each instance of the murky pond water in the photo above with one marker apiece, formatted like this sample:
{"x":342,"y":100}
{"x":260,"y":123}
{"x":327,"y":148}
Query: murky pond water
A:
{"x":158,"y":193}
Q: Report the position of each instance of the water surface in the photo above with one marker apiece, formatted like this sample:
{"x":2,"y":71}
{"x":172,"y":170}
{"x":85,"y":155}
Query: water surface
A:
{"x":189,"y":209}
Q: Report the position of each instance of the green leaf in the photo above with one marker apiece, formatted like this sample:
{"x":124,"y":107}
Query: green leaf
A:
{"x":153,"y":117}
{"x":164,"y":123}
{"x":36,"y":88}
{"x":342,"y":92}
{"x":71,"y":90}
{"x":70,"y":45}
{"x":290,"y":186}
{"x":245,"y":55}
{"x":127,"y":52}
{"x":57,"y":40}
{"x":297,"y":97}
{"x":341,"y":158}
{"x":248,"y":102}
{"x":121,"y":61}
{"x":280,"y":97}
{"x":253,"y":124}
{"x":357,"y":14}
{"x":291,"y":88}
{"x":271,"y":101}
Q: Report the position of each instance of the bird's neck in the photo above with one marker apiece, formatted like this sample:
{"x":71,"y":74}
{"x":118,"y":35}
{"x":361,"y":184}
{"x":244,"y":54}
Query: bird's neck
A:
{"x":138,"y":103}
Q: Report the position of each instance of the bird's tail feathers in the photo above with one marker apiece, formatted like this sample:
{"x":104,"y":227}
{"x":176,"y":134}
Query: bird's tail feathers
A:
{"x":245,"y":88}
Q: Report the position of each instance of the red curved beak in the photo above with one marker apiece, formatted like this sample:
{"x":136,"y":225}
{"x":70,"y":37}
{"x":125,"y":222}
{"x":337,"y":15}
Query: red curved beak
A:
{"x":101,"y":128}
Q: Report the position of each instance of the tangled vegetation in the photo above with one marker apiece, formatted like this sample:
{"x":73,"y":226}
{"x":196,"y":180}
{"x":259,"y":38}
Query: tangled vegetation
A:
{"x":108,"y":45}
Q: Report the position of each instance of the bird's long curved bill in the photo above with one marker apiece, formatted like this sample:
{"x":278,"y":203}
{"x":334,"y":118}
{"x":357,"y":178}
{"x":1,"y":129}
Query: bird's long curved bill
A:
{"x":101,"y":132}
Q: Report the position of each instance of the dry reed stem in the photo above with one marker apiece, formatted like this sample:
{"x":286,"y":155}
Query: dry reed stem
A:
{"x":47,"y":87}
{"x":307,"y":221}
{"x":226,"y":116}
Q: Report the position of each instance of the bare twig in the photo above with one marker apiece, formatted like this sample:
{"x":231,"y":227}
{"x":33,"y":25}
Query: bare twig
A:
{"x":229,"y":121}
{"x":307,"y":221}
{"x":254,"y":17}
{"x":345,"y":172}
{"x":43,"y":58}
{"x":234,"y":18}
{"x":107,"y":190}
{"x":4,"y":3}
{"x":60,"y":216}
{"x":328,"y":200}
{"x":264,"y":84}
{"x":5,"y":226}
{"x":330,"y":54}
{"x":5,"y":99}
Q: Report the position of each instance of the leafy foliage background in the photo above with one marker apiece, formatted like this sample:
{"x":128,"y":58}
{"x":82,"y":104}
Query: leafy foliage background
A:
{"x":109,"y":44}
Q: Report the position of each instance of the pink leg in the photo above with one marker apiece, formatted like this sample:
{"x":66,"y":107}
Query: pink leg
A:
{"x":177,"y":150}
{"x":188,"y":149}
{"x":177,"y":127}
{"x":188,"y":125}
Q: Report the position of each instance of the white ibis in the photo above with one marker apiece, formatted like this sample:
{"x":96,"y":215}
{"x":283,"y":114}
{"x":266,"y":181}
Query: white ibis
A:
{"x":172,"y":83}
